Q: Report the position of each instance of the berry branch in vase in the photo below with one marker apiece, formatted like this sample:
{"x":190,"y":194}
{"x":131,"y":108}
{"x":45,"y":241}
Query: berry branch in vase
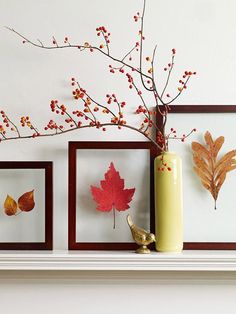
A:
{"x":88,"y":109}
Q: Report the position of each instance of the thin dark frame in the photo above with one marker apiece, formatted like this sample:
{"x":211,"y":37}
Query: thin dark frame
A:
{"x":73,"y":147}
{"x":203,"y":109}
{"x":48,"y":243}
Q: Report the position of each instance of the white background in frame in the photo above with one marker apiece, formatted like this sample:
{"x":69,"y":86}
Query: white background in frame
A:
{"x":201,"y":222}
{"x":134,"y":167}
{"x":27,"y":226}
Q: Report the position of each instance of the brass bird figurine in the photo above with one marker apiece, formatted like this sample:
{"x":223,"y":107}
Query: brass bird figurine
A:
{"x":141,"y":237}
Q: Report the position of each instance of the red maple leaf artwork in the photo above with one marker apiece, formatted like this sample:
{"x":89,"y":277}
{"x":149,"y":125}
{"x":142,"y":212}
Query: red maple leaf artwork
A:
{"x":112,"y":195}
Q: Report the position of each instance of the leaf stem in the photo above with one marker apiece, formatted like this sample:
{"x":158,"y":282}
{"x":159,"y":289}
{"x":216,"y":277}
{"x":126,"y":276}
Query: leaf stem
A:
{"x":114,"y":218}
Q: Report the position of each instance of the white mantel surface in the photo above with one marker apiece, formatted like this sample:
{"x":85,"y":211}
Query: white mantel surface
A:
{"x":118,"y":261}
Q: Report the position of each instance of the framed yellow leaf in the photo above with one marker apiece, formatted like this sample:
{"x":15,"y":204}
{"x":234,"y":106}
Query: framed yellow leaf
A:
{"x":26,"y":205}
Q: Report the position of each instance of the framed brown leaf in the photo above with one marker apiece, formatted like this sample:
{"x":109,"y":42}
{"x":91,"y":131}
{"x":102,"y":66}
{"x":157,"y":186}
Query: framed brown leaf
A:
{"x":214,"y":151}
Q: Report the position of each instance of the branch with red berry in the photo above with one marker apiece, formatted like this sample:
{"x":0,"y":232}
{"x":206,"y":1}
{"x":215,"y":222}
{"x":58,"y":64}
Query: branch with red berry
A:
{"x":140,"y":80}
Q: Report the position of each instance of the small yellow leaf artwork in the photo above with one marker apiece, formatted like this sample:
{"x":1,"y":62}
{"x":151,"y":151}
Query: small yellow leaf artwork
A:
{"x":211,"y":170}
{"x":25,"y":204}
{"x":10,"y":206}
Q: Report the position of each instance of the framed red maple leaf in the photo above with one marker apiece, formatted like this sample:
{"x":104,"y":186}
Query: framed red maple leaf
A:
{"x":108,"y":180}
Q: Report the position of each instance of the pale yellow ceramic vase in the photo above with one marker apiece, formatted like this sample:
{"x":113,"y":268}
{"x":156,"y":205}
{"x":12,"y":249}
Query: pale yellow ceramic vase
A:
{"x":168,"y":203}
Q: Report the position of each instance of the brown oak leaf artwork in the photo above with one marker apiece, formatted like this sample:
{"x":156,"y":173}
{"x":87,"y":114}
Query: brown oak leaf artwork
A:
{"x":211,"y":170}
{"x":112,"y":195}
{"x":25,"y":203}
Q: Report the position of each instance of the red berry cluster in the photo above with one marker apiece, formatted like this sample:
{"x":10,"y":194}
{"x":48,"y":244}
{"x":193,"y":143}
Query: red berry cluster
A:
{"x":73,"y":81}
{"x":25,"y":121}
{"x":112,"y":70}
{"x":2,"y":130}
{"x":105,"y":110}
{"x":164,"y":167}
{"x":78,"y":113}
{"x":119,"y":121}
{"x":160,"y":139}
{"x":78,"y":93}
{"x":130,"y":80}
{"x":173,"y":131}
{"x":183,"y":138}
{"x":102,"y":30}
{"x":5,"y":120}
{"x":121,"y":70}
{"x":56,"y":108}
{"x":141,"y":34}
{"x":150,"y":123}
{"x":168,"y":67}
{"x":53,"y":105}
{"x":141,"y":109}
{"x":54,"y":41}
{"x":111,"y":98}
{"x":137,"y":17}
{"x":52,"y":125}
{"x":122,"y":122}
{"x":36,"y":134}
{"x":115,"y":120}
{"x":69,"y":121}
{"x":63,"y":109}
{"x":186,"y":75}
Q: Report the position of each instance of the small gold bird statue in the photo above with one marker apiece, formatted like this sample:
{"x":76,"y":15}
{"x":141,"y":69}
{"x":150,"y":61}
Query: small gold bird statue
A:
{"x":141,"y":237}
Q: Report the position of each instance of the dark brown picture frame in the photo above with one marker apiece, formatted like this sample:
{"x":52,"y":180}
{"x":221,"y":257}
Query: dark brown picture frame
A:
{"x":73,"y":147}
{"x":48,"y":243}
{"x":204,"y":109}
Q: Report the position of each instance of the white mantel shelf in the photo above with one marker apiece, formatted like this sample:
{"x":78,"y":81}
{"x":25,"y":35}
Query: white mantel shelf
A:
{"x":116,"y":261}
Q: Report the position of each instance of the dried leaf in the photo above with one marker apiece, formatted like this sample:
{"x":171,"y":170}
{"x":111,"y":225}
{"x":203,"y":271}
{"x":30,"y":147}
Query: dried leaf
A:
{"x":217,"y":145}
{"x":200,"y":150}
{"x":209,"y":141}
{"x":231,"y":168}
{"x":211,"y":172}
{"x":26,"y":201}
{"x":202,"y":175}
{"x":10,"y":206}
{"x":219,"y":183}
{"x":200,"y":163}
{"x":206,"y":185}
{"x":227,"y":158}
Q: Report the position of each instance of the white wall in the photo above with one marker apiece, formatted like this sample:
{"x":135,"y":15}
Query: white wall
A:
{"x":203,"y":33}
{"x":123,"y":292}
